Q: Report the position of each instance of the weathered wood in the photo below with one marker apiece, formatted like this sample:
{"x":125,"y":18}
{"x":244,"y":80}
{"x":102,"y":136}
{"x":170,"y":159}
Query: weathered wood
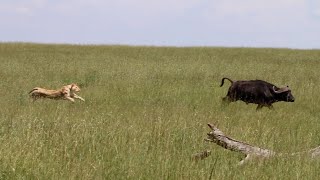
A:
{"x":315,"y":152}
{"x":226,"y":142}
{"x":218,"y":137}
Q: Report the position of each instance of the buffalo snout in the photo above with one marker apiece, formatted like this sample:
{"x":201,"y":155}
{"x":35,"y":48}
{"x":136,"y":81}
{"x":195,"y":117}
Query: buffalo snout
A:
{"x":290,"y":97}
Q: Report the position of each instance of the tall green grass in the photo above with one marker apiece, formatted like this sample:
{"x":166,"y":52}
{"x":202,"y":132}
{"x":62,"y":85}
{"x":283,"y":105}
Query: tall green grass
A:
{"x":146,"y":111}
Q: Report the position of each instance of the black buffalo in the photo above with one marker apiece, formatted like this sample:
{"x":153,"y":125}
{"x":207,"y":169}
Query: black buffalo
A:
{"x":256,"y":92}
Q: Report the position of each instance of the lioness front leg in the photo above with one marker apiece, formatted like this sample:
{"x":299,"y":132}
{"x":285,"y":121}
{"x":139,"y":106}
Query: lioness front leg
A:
{"x":70,"y":99}
{"x":78,"y":97}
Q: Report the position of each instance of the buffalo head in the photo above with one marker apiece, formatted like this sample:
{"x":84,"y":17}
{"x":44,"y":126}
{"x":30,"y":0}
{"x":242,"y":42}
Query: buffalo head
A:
{"x":284,"y":94}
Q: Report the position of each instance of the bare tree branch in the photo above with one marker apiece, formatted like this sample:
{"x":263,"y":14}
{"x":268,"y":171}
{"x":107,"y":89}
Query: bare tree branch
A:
{"x":218,"y":137}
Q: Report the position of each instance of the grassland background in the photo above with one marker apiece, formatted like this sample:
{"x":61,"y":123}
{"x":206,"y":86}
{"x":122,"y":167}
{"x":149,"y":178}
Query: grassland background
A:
{"x":146,"y":112}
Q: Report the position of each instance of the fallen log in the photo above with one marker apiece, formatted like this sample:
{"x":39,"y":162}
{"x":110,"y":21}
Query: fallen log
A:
{"x":249,"y":151}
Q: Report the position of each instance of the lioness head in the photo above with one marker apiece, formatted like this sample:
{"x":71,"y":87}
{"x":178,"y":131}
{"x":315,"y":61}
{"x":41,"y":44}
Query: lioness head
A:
{"x":74,"y":88}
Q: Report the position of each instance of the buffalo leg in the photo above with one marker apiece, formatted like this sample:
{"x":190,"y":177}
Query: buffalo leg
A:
{"x":259,"y":107}
{"x":270,"y":106}
{"x":226,"y":101}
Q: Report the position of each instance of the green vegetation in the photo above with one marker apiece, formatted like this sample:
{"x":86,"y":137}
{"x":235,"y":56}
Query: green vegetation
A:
{"x":146,"y":112}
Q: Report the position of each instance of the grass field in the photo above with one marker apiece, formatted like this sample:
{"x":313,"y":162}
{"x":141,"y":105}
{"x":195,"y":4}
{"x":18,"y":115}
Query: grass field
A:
{"x":146,"y":112}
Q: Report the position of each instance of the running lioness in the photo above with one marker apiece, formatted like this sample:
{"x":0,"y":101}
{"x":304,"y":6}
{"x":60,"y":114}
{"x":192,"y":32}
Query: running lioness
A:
{"x":66,"y":92}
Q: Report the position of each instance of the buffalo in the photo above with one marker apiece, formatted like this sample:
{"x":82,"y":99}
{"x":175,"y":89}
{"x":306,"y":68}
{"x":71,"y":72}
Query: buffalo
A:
{"x":256,"y":92}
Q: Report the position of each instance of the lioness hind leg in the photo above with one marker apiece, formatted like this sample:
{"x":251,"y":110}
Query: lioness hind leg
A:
{"x":34,"y":97}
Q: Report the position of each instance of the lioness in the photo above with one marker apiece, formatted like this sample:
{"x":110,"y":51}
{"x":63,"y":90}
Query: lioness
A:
{"x":66,"y":92}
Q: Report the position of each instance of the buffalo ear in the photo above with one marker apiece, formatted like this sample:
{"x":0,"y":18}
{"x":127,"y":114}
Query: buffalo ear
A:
{"x":274,"y":89}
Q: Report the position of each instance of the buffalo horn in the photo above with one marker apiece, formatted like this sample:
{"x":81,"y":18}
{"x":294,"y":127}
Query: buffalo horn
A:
{"x":281,"y":90}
